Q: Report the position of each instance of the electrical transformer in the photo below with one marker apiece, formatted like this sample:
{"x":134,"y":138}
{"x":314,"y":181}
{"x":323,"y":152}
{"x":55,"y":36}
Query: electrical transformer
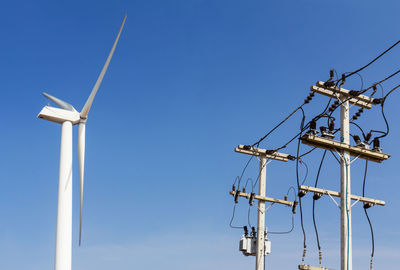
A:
{"x":248,"y":245}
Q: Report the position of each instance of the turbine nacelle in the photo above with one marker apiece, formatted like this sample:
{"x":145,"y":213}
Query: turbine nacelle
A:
{"x":58,"y":115}
{"x":66,"y":112}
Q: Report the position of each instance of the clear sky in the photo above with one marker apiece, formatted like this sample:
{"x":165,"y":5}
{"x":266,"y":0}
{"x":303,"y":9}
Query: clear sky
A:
{"x":190,"y":80}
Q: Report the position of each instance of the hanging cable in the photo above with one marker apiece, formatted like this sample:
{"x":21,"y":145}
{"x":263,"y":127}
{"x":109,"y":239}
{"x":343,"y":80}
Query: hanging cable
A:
{"x":233,"y":216}
{"x":252,"y":186}
{"x":248,"y":216}
{"x":366,"y":214}
{"x":298,"y":189}
{"x":394,"y":88}
{"x":382,"y":102}
{"x":362,"y":131}
{"x":250,"y":201}
{"x":386,"y":122}
{"x":293,"y":213}
{"x":306,"y":174}
{"x":243,"y":171}
{"x":313,"y":209}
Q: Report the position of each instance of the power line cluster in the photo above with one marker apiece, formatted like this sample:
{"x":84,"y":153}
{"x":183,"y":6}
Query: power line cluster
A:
{"x":371,"y":137}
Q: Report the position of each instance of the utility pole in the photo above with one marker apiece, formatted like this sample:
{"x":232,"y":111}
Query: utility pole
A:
{"x":344,"y":150}
{"x":345,"y":202}
{"x":261,"y":214}
{"x":263,"y":155}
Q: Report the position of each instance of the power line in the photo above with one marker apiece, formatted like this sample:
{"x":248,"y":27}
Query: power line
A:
{"x":369,"y":221}
{"x":313,"y":209}
{"x":233,"y":216}
{"x":298,"y":188}
{"x":376,"y":58}
{"x":278,"y":125}
{"x":373,"y":86}
{"x":291,"y":229}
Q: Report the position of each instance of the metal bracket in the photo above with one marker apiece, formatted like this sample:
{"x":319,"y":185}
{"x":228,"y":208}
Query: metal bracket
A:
{"x":354,"y":203}
{"x":354,"y":159}
{"x":334,"y":200}
{"x":335,"y":156}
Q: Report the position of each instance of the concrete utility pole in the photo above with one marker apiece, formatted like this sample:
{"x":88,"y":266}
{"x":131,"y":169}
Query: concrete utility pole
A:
{"x":345,"y":201}
{"x":261,"y":215}
{"x":344,"y":150}
{"x":263,"y":155}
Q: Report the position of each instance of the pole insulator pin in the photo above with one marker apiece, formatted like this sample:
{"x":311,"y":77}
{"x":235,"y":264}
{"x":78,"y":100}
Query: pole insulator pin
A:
{"x":317,"y":196}
{"x":246,"y":231}
{"x":343,"y":79}
{"x":251,"y":198}
{"x":236,"y":197}
{"x":329,"y":84}
{"x":247,"y":147}
{"x":253,"y":231}
{"x":367,"y":205}
{"x":301,"y":193}
{"x":294,"y":207}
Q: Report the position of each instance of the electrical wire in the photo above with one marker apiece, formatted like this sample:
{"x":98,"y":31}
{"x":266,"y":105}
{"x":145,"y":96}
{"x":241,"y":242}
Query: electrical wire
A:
{"x":252,"y":186}
{"x":350,"y":97}
{"x":292,"y":227}
{"x":285,"y":232}
{"x":248,"y":216}
{"x":237,"y":179}
{"x":305,"y":176}
{"x":243,"y":171}
{"x":316,"y":118}
{"x":369,"y":221}
{"x":361,"y":79}
{"x":313,"y":209}
{"x":388,"y":93}
{"x":383,"y":112}
{"x":308,"y":152}
{"x":362,"y":131}
{"x":368,"y":88}
{"x":322,"y":114}
{"x":376,"y":58}
{"x":298,"y":188}
{"x":233,"y":216}
{"x":386,"y":122}
{"x":283,"y":121}
{"x":250,"y":205}
{"x":259,"y":174}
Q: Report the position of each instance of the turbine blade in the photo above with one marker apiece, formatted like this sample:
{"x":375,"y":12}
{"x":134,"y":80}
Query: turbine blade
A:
{"x":81,"y":160}
{"x":59,"y":102}
{"x":88,"y":104}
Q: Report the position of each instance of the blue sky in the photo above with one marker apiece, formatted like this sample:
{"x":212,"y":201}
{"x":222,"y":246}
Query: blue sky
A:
{"x":189,"y":80}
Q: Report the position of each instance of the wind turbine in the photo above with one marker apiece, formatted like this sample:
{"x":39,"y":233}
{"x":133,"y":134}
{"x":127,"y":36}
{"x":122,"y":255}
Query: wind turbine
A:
{"x":67,"y":116}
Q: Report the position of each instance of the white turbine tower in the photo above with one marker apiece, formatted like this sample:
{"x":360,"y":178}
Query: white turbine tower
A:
{"x":68,"y":116}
